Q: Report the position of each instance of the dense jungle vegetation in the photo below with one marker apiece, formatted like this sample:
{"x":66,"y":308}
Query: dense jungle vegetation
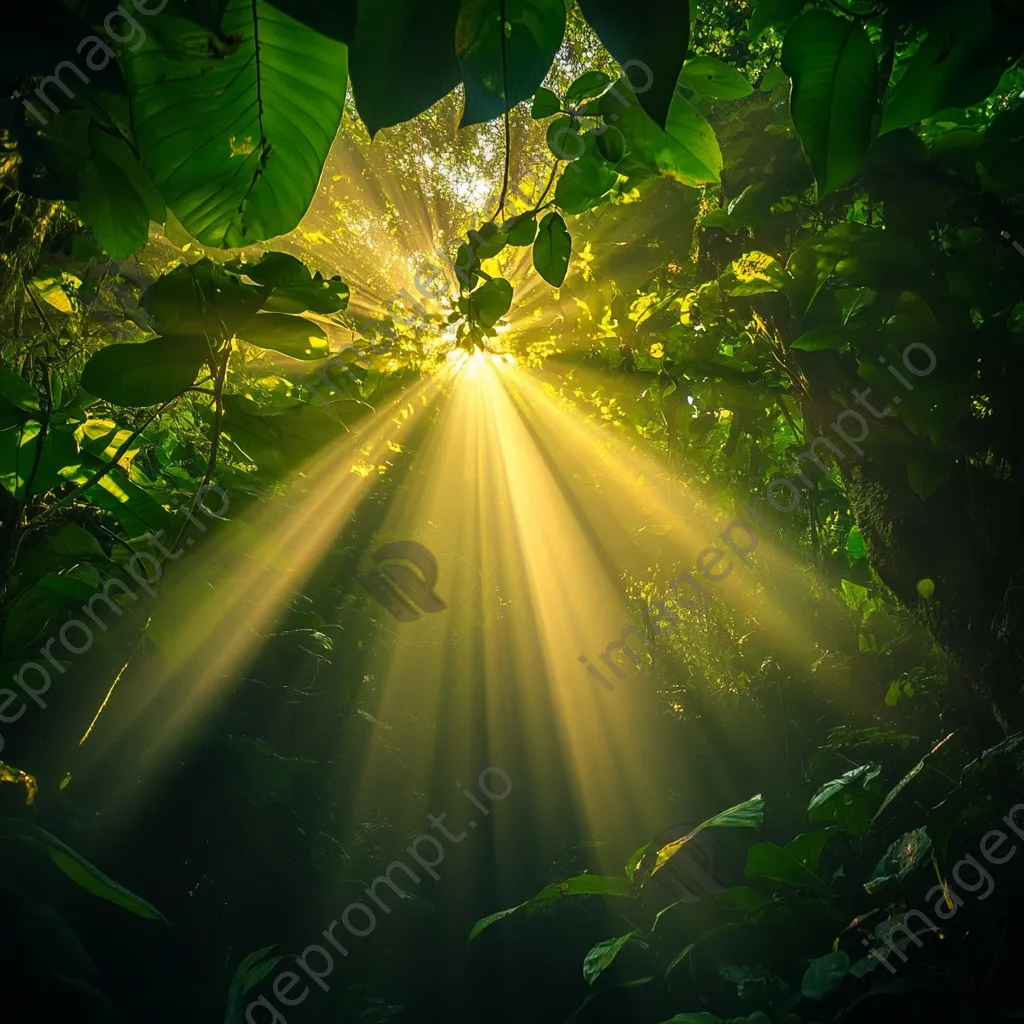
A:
{"x":595,"y":418}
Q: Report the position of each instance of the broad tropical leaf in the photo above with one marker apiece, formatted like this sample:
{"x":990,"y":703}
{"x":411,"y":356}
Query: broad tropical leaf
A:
{"x":503,"y":65}
{"x":235,"y":133}
{"x":835,"y":93}
{"x":403,"y":60}
{"x":145,"y":373}
{"x":685,"y":151}
{"x":290,"y":335}
{"x":649,"y":41}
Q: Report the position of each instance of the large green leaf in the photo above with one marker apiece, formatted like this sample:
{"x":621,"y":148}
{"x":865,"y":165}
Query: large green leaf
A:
{"x":403,"y":60}
{"x":650,"y":40}
{"x":79,"y":870}
{"x":145,"y":373}
{"x":490,"y":302}
{"x":235,"y":133}
{"x":552,"y":249}
{"x":835,"y":92}
{"x":118,"y":199}
{"x":685,"y":151}
{"x":749,"y":814}
{"x":504,"y":61}
{"x":202,"y":298}
{"x":290,"y":335}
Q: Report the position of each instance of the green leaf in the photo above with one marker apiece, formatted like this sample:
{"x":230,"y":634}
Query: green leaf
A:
{"x":17,"y":390}
{"x":564,"y":138}
{"x":712,"y":77}
{"x":754,"y":273}
{"x":835,"y":92}
{"x":611,"y":145}
{"x":579,"y":885}
{"x":856,"y":549}
{"x":853,"y":594}
{"x":749,"y":814}
{"x":838,"y":336}
{"x":502,"y":68}
{"x":825,"y":975}
{"x":586,"y":87}
{"x":235,"y":135}
{"x":118,"y":199}
{"x":633,"y":864}
{"x":486,"y":922}
{"x":910,"y":850}
{"x":766,"y":860}
{"x":295,"y":291}
{"x":552,"y":249}
{"x":847,"y":800}
{"x":249,"y":973}
{"x":773,"y":78}
{"x":545,"y":104}
{"x":685,"y":151}
{"x":807,"y":848}
{"x":79,"y":870}
{"x":147,"y":372}
{"x":601,"y":957}
{"x":490,"y":302}
{"x":202,"y":298}
{"x":587,"y":885}
{"x":584,"y":182}
{"x":650,"y":44}
{"x":403,"y":59}
{"x":488,"y":241}
{"x":49,"y":282}
{"x":290,"y":335}
{"x":522,"y":230}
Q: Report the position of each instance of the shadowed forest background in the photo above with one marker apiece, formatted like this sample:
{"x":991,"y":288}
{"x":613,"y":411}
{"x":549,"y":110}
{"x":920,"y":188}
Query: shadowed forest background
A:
{"x":509,"y":511}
